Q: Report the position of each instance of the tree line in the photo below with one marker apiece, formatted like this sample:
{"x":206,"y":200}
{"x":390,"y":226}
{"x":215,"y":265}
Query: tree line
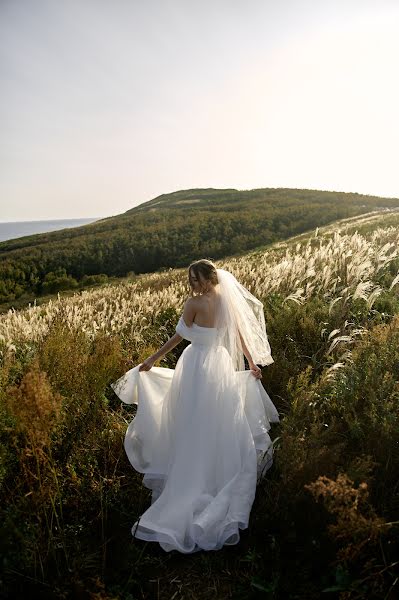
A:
{"x":169,"y":231}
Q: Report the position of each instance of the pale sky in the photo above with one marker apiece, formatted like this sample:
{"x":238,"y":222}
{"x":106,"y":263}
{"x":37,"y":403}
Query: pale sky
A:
{"x":106,"y":104}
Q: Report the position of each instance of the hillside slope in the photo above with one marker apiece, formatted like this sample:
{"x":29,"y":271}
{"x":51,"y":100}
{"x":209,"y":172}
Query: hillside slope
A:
{"x":170,"y":231}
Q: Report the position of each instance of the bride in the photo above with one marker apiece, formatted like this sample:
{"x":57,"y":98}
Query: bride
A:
{"x":200,"y":433}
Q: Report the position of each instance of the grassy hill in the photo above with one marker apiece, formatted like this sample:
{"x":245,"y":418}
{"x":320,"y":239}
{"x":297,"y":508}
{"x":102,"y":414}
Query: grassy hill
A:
{"x":325,"y":518}
{"x":166,"y":232}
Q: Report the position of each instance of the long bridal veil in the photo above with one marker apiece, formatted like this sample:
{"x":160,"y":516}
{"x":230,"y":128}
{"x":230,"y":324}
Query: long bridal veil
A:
{"x":240,"y":316}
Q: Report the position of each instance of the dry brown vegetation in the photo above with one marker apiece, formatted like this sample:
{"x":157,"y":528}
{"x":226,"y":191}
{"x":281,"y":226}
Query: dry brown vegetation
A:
{"x":324,"y":518}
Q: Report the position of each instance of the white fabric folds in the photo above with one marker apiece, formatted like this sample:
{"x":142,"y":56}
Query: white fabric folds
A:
{"x":200,"y":437}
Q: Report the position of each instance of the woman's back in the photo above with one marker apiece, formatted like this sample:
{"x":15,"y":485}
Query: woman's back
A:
{"x":206,"y":309}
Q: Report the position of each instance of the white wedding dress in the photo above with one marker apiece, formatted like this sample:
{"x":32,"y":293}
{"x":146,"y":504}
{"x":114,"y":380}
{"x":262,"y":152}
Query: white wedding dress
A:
{"x":200,"y":437}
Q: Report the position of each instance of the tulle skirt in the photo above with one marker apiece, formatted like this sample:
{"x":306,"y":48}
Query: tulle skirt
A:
{"x":200,"y":437}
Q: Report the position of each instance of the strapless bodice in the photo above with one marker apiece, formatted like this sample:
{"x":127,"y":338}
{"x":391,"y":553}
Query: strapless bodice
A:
{"x":196,"y":334}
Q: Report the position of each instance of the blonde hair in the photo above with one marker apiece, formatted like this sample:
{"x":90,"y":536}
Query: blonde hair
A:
{"x":207,"y":270}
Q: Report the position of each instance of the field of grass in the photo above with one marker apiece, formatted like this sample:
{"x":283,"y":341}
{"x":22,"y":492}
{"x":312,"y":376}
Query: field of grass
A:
{"x":325,"y":519}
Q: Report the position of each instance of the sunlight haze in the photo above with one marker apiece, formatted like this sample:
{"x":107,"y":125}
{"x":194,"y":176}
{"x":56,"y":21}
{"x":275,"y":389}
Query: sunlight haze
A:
{"x":104,"y":106}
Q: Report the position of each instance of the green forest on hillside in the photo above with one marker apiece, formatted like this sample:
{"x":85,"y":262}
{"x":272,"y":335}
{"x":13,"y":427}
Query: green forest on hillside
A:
{"x":169,"y":231}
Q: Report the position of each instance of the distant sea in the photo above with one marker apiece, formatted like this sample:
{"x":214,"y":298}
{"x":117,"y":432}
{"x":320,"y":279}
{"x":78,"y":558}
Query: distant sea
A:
{"x":17,"y":229}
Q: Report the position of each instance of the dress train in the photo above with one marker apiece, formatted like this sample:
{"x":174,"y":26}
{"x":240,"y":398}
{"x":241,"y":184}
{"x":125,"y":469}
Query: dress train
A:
{"x":200,"y":437}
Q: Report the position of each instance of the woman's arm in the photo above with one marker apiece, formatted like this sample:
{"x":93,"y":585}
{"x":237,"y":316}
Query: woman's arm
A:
{"x":188,"y":316}
{"x":253,"y":367}
{"x":167,"y":347}
{"x":245,"y":350}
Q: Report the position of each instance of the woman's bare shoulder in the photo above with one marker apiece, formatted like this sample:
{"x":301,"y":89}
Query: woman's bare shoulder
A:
{"x":192,"y":301}
{"x":189,"y":311}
